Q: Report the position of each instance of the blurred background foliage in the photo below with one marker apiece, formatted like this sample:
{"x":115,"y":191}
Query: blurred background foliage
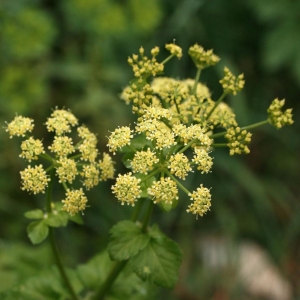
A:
{"x":73,"y":54}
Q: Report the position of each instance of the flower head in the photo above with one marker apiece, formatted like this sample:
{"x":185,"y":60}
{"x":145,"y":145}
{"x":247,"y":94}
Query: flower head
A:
{"x":67,"y":170}
{"x":34,"y":180}
{"x":202,"y":160}
{"x":179,"y":165}
{"x":277,"y":117}
{"x":74,"y":202}
{"x":238,"y":140}
{"x":164,"y":190}
{"x":91,"y":175}
{"x":127,"y":189}
{"x":143,"y":161}
{"x":106,"y":166}
{"x":19,"y":126}
{"x":232,"y":84}
{"x":119,"y":138}
{"x":174,"y":50}
{"x":202,"y":58}
{"x":62,"y":146}
{"x":61,"y":121}
{"x":201,"y":201}
{"x":145,"y":67}
{"x":31,"y":149}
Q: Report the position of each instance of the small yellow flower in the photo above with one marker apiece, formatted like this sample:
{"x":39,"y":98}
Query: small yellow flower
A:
{"x":19,"y":126}
{"x":31,"y":149}
{"x":127,"y":189}
{"x":85,"y":134}
{"x":174,"y":50}
{"x":61,"y":121}
{"x":164,"y":190}
{"x":238,"y":140}
{"x":106,"y":166}
{"x":144,"y":161}
{"x":74,"y":202}
{"x":201,"y":201}
{"x":193,"y":133}
{"x":88,"y":150}
{"x":62,"y":146}
{"x":202,"y":160}
{"x":277,"y":117}
{"x":224,"y":116}
{"x":145,"y":67}
{"x":34,"y":180}
{"x":179,"y":165}
{"x":67,"y":170}
{"x":91,"y":175}
{"x":232,"y":84}
{"x":202,"y":58}
{"x":119,"y":138}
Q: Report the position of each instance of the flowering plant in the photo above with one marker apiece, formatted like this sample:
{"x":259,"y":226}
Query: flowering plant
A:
{"x":178,"y":126}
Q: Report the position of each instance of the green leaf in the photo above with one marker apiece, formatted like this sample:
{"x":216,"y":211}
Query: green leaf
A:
{"x":57,"y":219}
{"x":168,"y":206}
{"x":57,"y":210}
{"x":37,"y":231}
{"x":76,"y":219}
{"x":47,"y":285}
{"x":34,"y":214}
{"x":159,"y":261}
{"x":127,"y":158}
{"x":126,"y":240}
{"x":94,"y":273}
{"x":127,"y":285}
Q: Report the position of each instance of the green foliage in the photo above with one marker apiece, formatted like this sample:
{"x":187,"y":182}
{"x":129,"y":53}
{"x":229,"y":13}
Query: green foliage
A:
{"x":72,"y":54}
{"x":152,"y":255}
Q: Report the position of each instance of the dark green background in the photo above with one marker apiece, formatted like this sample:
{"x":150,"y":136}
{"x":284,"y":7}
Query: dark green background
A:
{"x":73,"y":54}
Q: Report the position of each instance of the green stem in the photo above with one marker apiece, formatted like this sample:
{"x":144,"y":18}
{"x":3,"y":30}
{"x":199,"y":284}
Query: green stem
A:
{"x":215,"y":106}
{"x":255,"y":125}
{"x":219,"y":145}
{"x":136,"y":211}
{"x":186,"y":146}
{"x":118,"y":266}
{"x":194,"y":92}
{"x":167,"y":59}
{"x":60,"y":266}
{"x":115,"y":271}
{"x":47,"y":157}
{"x":53,"y":244}
{"x":177,"y":182}
{"x":147,"y":216}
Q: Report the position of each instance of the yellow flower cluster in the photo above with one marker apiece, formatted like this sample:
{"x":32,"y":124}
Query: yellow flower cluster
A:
{"x":232,"y":84}
{"x":74,"y":202}
{"x":202,"y":58}
{"x":164,"y":190}
{"x":277,"y":117}
{"x":201,"y":201}
{"x":144,"y":161}
{"x":144,"y":67}
{"x":119,"y":138}
{"x":19,"y":126}
{"x":238,"y":140}
{"x":127,"y":189}
{"x":174,"y":50}
{"x":179,"y":165}
{"x":175,"y":124}
{"x":35,"y":179}
{"x":31,"y":149}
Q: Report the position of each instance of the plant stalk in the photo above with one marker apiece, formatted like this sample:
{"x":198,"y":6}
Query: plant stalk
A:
{"x":54,"y":248}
